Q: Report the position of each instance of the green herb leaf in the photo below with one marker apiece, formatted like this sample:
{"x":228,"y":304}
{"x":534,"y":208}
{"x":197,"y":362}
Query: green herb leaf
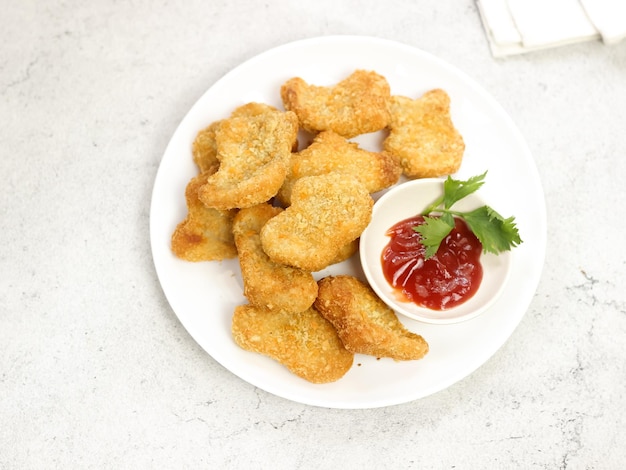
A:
{"x":448,"y":218}
{"x":455,"y":190}
{"x":433,"y":231}
{"x":495,"y":233}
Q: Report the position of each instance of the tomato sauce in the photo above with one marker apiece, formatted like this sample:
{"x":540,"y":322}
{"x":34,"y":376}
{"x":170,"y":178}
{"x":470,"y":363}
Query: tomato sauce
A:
{"x":445,"y":280}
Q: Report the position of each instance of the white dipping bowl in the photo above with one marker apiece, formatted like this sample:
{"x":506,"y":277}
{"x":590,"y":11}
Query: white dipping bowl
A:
{"x":408,"y":200}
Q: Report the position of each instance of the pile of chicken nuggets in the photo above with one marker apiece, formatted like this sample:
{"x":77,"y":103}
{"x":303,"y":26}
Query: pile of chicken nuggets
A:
{"x":288,"y":210}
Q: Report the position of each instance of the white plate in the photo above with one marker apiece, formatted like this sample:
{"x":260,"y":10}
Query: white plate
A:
{"x":203,"y":295}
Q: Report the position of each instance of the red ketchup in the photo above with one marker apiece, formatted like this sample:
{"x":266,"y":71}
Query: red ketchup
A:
{"x":445,"y":280}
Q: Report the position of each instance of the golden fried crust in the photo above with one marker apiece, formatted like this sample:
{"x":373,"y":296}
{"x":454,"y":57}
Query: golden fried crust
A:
{"x":422,"y":136}
{"x":304,"y":342}
{"x":253,"y":147}
{"x":204,"y":148}
{"x":326,"y":213}
{"x":330,"y":152}
{"x":356,"y":105}
{"x":205,"y":234}
{"x":364,"y":323}
{"x":346,"y":251}
{"x":252,"y":109}
{"x":265,"y":283}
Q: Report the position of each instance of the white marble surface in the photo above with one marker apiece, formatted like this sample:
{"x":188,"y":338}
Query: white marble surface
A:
{"x":97,"y":372}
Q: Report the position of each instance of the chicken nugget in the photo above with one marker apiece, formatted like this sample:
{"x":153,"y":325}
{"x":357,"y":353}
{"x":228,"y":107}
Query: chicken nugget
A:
{"x":355,"y":105}
{"x":254,"y":148}
{"x":346,"y":251}
{"x":326,"y":213}
{"x":330,"y":152}
{"x":422,"y":136}
{"x":205,"y":234}
{"x":266,"y":283}
{"x":304,"y":342}
{"x":204,"y":148}
{"x":365,"y":323}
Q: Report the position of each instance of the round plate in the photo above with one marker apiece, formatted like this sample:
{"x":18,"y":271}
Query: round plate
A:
{"x":204,"y":295}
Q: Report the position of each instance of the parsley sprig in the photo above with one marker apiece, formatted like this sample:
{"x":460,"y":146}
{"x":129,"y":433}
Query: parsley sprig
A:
{"x":495,"y":233}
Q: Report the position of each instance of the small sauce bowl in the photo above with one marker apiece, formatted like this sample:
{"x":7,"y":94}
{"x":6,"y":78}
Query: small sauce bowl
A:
{"x":407,"y":200}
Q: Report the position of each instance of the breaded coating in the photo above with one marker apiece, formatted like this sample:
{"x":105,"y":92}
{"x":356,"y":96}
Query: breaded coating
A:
{"x":346,"y":251}
{"x":266,"y":283}
{"x":330,"y":152}
{"x":205,"y":234}
{"x":252,"y":109}
{"x":326,"y":213}
{"x":204,"y":148}
{"x":254,"y":148}
{"x":422,"y":136}
{"x":304,"y":342}
{"x":365,"y":323}
{"x":356,"y":105}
